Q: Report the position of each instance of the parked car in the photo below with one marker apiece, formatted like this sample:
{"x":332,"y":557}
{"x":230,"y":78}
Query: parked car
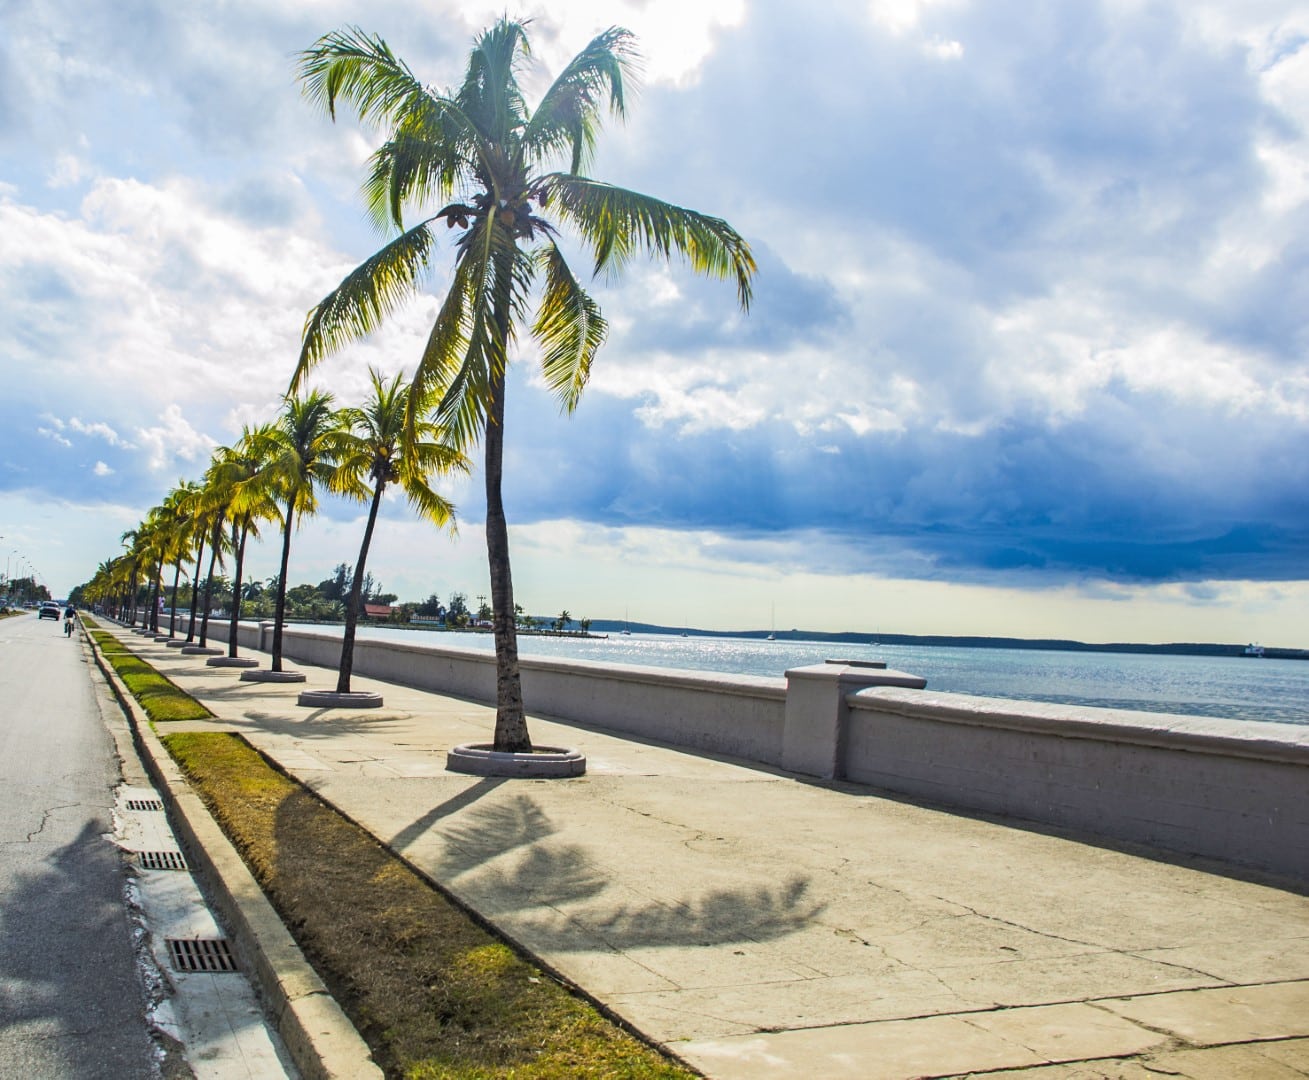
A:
{"x":49,"y":610}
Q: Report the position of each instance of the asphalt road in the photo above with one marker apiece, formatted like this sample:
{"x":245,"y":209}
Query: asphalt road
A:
{"x":72,"y":1004}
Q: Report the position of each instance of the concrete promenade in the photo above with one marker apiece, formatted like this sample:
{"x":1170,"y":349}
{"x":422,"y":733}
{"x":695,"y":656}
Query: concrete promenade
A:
{"x":759,"y":925}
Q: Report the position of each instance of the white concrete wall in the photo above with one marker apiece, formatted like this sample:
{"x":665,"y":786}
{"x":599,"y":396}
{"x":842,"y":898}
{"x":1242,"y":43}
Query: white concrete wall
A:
{"x":739,"y":715}
{"x":1232,"y":790}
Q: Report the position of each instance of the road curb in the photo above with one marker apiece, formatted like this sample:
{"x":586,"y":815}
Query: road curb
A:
{"x":318,"y":1035}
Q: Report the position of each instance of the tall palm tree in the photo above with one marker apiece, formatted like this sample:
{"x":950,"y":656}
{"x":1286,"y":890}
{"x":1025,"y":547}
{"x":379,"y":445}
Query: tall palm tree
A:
{"x":102,"y":588}
{"x":301,"y":450}
{"x":150,"y":542}
{"x":200,"y":510}
{"x":216,"y":499}
{"x":241,"y":468}
{"x":133,"y":540}
{"x":479,"y":149}
{"x":178,"y":520}
{"x":377,"y":451}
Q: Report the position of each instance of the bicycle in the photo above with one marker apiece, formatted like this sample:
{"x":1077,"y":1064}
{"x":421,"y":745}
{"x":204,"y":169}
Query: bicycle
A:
{"x":68,"y":627}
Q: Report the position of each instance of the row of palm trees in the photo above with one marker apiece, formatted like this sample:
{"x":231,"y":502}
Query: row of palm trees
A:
{"x":274,"y":473}
{"x":507,"y":180}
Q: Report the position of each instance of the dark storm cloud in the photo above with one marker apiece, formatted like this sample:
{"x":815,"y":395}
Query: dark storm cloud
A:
{"x":1019,"y":503}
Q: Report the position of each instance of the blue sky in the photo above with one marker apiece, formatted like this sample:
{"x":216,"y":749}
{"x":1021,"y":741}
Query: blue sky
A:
{"x":1028,"y":352}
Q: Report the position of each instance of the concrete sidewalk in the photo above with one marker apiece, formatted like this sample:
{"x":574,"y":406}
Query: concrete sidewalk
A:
{"x":759,"y":925}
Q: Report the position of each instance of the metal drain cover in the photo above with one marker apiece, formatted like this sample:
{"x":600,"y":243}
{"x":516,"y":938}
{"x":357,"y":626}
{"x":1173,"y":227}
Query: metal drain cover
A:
{"x":144,"y":804}
{"x":161,"y":860}
{"x":200,"y":954}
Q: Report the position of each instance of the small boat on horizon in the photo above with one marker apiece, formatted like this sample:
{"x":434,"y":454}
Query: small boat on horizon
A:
{"x":1254,"y":650}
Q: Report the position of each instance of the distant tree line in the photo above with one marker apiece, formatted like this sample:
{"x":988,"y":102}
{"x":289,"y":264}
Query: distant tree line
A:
{"x":326,"y":602}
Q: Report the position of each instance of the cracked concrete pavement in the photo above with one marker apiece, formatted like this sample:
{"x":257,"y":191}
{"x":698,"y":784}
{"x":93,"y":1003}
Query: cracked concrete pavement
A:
{"x":760,"y":925}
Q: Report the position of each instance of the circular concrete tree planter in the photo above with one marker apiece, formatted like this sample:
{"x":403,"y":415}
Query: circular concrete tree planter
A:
{"x":177,"y":643}
{"x":266,"y":675}
{"x":543,"y":763}
{"x":200,"y":650}
{"x":231,"y":661}
{"x":331,"y":699}
{"x":161,"y":638}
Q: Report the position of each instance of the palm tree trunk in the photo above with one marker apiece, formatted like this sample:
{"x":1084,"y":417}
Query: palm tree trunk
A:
{"x":177,"y":576}
{"x":510,"y":721}
{"x":355,"y":603}
{"x":209,"y":589}
{"x":276,"y":665}
{"x":236,"y":589}
{"x":131,"y":613}
{"x":195,"y":591}
{"x":153,"y":618}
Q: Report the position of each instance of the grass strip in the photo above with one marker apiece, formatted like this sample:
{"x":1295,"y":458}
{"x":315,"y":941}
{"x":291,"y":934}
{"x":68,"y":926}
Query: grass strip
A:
{"x":433,"y":993}
{"x":160,"y":698}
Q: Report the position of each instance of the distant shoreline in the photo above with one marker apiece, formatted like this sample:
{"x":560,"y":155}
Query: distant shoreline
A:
{"x":602,"y":628}
{"x":957,"y":641}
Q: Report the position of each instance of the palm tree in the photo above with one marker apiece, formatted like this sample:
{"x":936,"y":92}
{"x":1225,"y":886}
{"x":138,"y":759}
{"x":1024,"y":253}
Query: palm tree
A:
{"x":242,"y":469}
{"x":103,"y":587}
{"x":134,"y":541}
{"x":198,"y":509}
{"x":217,"y":495}
{"x":150,"y":542}
{"x":482,"y":148}
{"x":377,"y":452}
{"x":300,"y":451}
{"x":179,"y":524}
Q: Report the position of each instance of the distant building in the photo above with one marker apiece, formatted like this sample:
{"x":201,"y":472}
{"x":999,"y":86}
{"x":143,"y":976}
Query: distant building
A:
{"x":377,"y":611}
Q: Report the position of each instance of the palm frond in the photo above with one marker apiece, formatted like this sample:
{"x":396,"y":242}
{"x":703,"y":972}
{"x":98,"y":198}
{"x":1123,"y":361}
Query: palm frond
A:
{"x":443,"y":371}
{"x":364,"y":299}
{"x":570,"y":328}
{"x":568,"y":116}
{"x":350,"y":65}
{"x":430,"y":505}
{"x":616,"y":222}
{"x":490,"y":96}
{"x":426,"y":158}
{"x":407,"y":166}
{"x":469,"y":343}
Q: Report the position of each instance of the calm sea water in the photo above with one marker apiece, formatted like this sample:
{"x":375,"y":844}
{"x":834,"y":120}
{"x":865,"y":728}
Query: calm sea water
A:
{"x":1233,"y":687}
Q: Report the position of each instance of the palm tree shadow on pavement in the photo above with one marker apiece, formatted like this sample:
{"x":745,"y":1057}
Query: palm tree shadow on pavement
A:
{"x":558,"y":887}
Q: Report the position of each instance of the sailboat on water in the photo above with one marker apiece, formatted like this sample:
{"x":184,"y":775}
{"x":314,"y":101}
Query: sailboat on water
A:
{"x":772,"y":624}
{"x":625,"y":631}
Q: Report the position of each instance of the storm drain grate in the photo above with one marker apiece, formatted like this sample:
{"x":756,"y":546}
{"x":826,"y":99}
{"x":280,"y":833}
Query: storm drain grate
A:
{"x":161,"y":860}
{"x":200,"y":954}
{"x":144,"y":804}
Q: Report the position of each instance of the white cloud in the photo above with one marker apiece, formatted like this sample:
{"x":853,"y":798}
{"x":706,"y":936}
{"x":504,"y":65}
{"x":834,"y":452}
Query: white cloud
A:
{"x":99,"y":430}
{"x":674,"y":36}
{"x":174,"y":438}
{"x":901,"y":16}
{"x":53,"y":435}
{"x":944,"y":50}
{"x":101,"y":469}
{"x":69,"y":171}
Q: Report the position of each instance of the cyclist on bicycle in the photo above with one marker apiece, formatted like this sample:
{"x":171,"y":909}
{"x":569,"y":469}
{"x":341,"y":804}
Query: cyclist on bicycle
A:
{"x":70,"y":613}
